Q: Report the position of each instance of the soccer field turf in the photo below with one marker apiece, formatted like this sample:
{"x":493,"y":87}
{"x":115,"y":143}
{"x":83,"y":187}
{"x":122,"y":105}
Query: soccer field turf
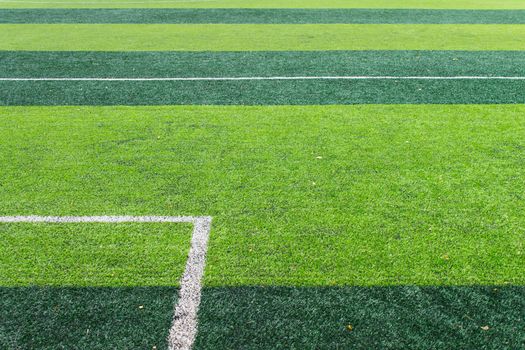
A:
{"x":362,"y":163}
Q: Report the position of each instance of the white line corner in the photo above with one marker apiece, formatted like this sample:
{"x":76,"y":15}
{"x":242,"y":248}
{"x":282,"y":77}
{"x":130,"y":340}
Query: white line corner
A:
{"x":184,"y":326}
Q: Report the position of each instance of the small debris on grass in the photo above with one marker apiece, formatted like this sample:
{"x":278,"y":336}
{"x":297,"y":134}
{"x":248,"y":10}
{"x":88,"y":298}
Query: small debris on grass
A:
{"x":446,"y":257}
{"x":349,"y":328}
{"x":141,"y":307}
{"x":485,"y":328}
{"x":319,"y":157}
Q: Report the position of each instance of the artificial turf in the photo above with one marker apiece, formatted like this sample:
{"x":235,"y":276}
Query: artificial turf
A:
{"x":438,"y":318}
{"x":93,"y":254}
{"x":275,"y":16}
{"x":93,"y":64}
{"x":410,"y":4}
{"x":48,"y":318}
{"x":260,"y":37}
{"x":366,"y":227}
{"x":321,"y":195}
{"x":276,"y":92}
{"x":20,"y":64}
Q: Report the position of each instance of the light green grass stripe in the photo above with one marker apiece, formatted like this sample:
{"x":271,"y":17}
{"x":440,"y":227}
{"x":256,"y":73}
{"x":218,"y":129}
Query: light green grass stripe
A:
{"x":93,"y":254}
{"x":259,"y":37}
{"x":431,"y":4}
{"x":320,"y":195}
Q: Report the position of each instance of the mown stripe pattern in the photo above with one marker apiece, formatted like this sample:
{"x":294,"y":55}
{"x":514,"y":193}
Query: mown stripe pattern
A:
{"x":260,"y":37}
{"x":385,"y":183}
{"x":275,"y":92}
{"x":260,"y":16}
{"x":262,"y":64}
{"x":245,"y":64}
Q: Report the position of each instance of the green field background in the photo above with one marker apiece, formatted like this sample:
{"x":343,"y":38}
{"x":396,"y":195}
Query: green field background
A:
{"x":436,"y":4}
{"x":391,"y":224}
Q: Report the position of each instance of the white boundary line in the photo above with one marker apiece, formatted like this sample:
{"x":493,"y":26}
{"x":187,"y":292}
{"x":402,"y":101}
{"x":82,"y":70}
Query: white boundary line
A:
{"x":352,"y":77}
{"x":184,"y":326}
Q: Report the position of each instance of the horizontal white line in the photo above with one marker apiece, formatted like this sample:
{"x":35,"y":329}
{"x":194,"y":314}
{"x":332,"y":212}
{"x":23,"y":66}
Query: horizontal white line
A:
{"x":101,"y":219}
{"x":356,"y":77}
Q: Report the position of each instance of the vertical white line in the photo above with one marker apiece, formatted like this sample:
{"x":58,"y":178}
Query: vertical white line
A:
{"x":184,"y":327}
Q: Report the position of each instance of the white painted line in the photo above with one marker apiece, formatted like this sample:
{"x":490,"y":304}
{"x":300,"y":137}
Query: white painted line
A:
{"x":184,"y":327}
{"x":353,"y":77}
{"x":96,"y":219}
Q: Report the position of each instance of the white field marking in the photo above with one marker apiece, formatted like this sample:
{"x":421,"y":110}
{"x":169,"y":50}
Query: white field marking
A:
{"x":96,"y":219}
{"x":354,"y":77}
{"x":184,"y":326}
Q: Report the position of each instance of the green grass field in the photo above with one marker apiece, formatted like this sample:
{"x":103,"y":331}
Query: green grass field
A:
{"x":379,"y":209}
{"x":260,"y":37}
{"x":431,"y":4}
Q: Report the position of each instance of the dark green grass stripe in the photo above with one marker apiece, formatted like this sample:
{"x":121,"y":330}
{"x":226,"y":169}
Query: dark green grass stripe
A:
{"x":309,"y":92}
{"x":85,"y":318}
{"x":273,"y":16}
{"x":382,"y":318}
{"x":235,"y":64}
